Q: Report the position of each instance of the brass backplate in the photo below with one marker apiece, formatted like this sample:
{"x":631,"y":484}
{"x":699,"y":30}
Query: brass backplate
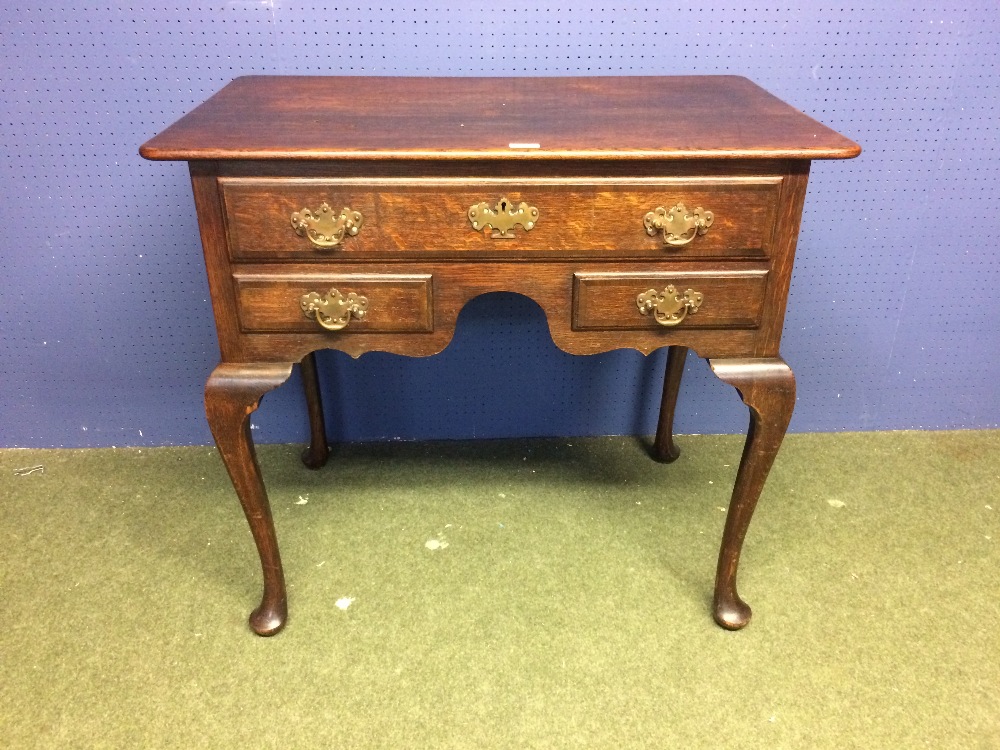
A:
{"x":503,"y":217}
{"x":333,"y":310}
{"x":323,"y":227}
{"x":669,"y":307}
{"x":679,"y":226}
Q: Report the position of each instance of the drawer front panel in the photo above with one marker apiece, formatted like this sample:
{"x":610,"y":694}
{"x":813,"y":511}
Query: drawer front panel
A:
{"x":394,"y":303}
{"x":422,"y":219}
{"x":611,"y":301}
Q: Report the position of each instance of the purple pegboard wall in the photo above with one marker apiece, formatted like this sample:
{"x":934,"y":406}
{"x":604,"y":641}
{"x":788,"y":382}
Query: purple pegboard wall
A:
{"x":106,"y":331}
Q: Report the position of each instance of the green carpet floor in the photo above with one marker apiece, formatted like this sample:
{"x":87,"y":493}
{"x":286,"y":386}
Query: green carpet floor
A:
{"x":506,"y":594}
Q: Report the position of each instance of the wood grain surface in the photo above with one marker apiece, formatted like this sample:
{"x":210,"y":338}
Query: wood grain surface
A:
{"x":422,"y":218}
{"x":318,"y":117}
{"x":593,"y":155}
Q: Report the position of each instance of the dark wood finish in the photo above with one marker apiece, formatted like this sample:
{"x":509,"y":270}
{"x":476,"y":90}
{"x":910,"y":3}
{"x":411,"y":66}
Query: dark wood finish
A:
{"x":664,"y":449}
{"x":786,"y":233}
{"x":232,"y":394}
{"x":571,"y":168}
{"x":682,"y":117}
{"x":767,"y":387}
{"x":453,"y":284}
{"x":413,"y":155}
{"x":318,"y":450}
{"x":421,"y":219}
{"x":396,"y":302}
{"x":607,"y":301}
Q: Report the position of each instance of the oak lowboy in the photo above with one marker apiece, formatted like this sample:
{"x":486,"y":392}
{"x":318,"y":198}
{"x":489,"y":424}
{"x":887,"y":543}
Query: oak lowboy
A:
{"x":361,"y":214}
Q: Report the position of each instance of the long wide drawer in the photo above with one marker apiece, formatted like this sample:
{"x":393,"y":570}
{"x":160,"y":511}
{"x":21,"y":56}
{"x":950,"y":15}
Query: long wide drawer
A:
{"x":314,"y":302}
{"x":689,"y":299}
{"x":299,"y":219}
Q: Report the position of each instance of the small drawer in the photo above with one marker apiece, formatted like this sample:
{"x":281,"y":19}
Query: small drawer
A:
{"x":259,"y":215}
{"x":685,"y":299}
{"x":383,"y":303}
{"x":408,"y":218}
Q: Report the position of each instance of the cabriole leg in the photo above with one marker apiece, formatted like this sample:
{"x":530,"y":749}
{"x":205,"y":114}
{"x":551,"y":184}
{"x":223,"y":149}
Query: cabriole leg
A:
{"x":232,"y":393}
{"x":664,"y":449}
{"x":767,"y":387}
{"x":314,"y":457}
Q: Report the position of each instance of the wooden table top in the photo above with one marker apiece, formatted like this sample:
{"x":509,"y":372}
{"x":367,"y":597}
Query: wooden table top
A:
{"x":356,"y":117}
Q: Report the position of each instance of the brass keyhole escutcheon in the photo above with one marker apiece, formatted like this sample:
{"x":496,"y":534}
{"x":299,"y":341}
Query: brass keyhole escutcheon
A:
{"x":669,"y":307}
{"x":503,"y":217}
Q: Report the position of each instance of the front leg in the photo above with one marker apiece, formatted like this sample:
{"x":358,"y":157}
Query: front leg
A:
{"x":767,"y":387}
{"x":232,"y":393}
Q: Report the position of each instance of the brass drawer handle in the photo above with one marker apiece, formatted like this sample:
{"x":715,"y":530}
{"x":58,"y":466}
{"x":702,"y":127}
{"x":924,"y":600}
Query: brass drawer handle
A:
{"x":679,"y":226}
{"x":323,"y":227}
{"x":503,"y":217}
{"x":333,"y":310}
{"x":669,"y":307}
